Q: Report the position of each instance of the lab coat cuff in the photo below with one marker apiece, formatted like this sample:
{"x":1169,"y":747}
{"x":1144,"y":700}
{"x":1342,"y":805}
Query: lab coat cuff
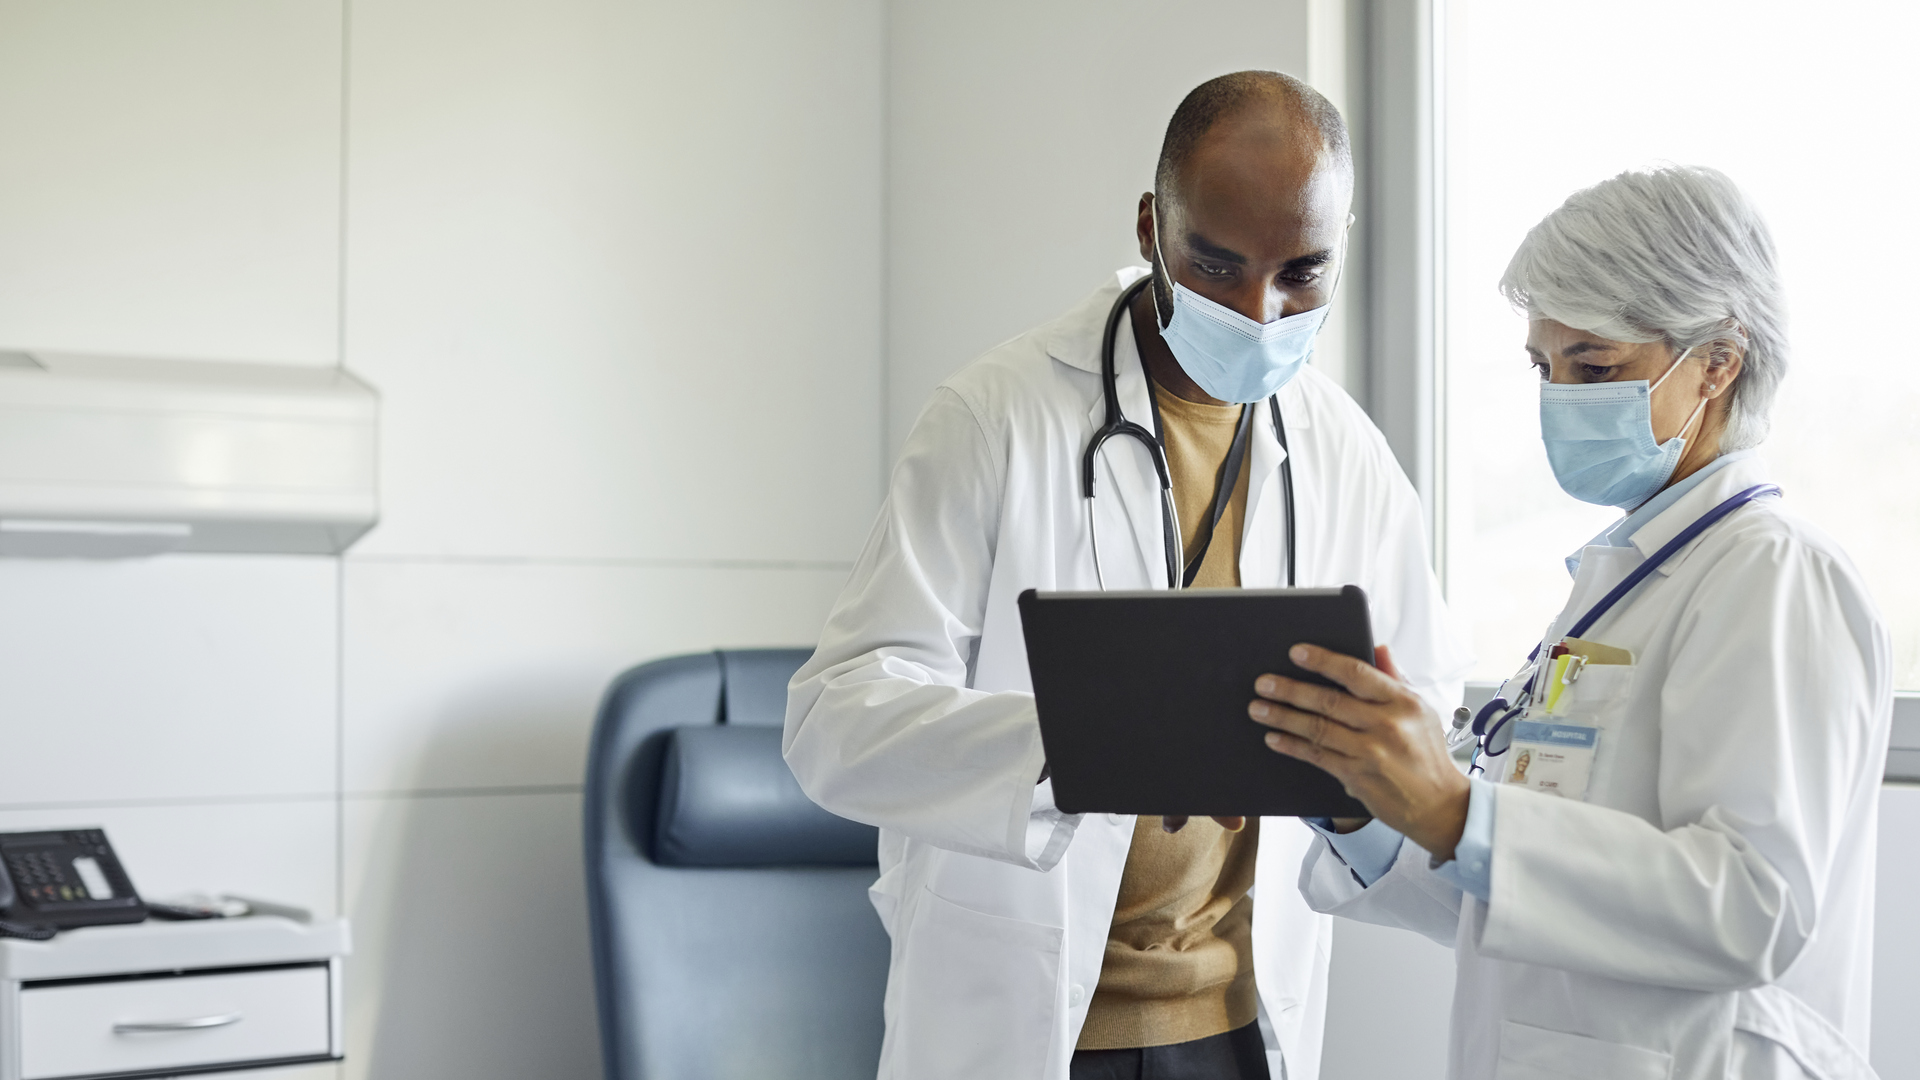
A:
{"x":1041,"y":833}
{"x":1368,"y":851}
{"x":1471,"y":868}
{"x":1048,"y":831}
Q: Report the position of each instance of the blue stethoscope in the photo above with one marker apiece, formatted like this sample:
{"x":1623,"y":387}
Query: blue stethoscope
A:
{"x":1118,"y":426}
{"x":1495,"y":716}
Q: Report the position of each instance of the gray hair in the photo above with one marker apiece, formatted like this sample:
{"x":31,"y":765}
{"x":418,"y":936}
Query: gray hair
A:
{"x":1674,"y":254}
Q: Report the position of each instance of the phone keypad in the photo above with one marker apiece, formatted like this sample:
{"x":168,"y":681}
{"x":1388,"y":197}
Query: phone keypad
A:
{"x":45,"y":875}
{"x":41,"y":877}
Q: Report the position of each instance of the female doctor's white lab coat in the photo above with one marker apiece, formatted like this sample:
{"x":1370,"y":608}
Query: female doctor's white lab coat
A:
{"x":1707,"y":911}
{"x":916,"y":713}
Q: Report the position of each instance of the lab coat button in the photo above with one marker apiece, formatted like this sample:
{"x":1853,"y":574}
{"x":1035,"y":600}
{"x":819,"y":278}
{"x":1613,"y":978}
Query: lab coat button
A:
{"x":1076,"y":996}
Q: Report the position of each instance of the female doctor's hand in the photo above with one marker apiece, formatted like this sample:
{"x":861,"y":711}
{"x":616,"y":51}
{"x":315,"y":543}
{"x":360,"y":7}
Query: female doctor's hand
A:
{"x":1376,"y":736}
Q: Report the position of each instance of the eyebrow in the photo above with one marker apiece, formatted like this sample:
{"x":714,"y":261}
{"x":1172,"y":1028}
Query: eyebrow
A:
{"x":1580,"y":347}
{"x":1203,"y":246}
{"x":1212,"y":250}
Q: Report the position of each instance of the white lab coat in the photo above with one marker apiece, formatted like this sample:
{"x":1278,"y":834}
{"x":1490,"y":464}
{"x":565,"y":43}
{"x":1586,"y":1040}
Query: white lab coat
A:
{"x":916,"y":713}
{"x":1707,"y":911}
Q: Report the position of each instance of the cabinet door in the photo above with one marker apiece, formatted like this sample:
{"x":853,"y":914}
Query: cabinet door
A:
{"x":174,"y":1022}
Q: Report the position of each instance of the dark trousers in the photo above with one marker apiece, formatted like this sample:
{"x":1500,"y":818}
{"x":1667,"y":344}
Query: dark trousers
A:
{"x":1232,"y":1055}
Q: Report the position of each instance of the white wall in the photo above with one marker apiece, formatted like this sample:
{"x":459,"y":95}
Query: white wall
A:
{"x":614,"y":267}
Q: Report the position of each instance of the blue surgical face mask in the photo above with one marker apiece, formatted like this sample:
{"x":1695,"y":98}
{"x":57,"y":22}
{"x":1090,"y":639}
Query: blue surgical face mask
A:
{"x":1600,"y":441}
{"x":1229,"y":355}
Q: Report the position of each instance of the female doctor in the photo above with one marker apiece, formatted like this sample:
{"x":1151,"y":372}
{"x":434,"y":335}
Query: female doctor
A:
{"x":1679,"y":882}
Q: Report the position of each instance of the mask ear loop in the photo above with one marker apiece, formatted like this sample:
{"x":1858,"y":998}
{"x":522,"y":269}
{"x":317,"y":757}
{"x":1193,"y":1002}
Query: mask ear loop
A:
{"x":1698,"y":410}
{"x":1160,"y":264}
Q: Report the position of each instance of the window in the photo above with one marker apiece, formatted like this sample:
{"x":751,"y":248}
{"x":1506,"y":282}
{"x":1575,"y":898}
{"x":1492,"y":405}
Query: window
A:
{"x":1811,"y":113}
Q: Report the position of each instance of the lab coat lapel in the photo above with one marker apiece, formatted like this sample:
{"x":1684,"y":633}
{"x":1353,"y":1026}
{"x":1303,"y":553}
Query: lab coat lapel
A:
{"x":1263,"y":541}
{"x":1735,"y":477}
{"x":1125,"y":476}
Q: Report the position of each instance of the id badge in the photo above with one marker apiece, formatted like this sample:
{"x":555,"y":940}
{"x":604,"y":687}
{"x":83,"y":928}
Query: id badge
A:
{"x":1553,"y":758}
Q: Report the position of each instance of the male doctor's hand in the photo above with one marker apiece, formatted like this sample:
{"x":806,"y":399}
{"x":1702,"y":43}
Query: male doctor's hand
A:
{"x":1376,"y":736}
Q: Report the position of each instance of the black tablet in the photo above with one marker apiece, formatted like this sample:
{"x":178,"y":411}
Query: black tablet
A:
{"x":1143,"y":697}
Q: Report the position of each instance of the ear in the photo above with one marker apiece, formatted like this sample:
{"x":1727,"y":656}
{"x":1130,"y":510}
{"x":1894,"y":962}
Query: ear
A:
{"x":1726,"y":358}
{"x":1143,"y":227}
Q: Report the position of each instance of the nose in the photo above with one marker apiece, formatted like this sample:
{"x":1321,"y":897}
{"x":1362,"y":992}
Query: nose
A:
{"x":1260,"y":301}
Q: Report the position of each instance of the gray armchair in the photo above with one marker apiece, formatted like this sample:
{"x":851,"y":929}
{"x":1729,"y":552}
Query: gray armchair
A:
{"x":732,"y":935}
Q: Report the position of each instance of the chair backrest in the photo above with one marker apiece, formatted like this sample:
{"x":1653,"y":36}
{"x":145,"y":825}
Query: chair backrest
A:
{"x":732,"y":933}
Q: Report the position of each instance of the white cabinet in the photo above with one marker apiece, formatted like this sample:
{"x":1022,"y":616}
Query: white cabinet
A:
{"x":118,"y":1026}
{"x":168,"y":999}
{"x":109,"y":456}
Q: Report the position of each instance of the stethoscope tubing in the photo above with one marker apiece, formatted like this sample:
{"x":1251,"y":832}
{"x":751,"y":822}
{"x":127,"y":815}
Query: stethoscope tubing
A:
{"x":1498,"y":713}
{"x":1117,"y":425}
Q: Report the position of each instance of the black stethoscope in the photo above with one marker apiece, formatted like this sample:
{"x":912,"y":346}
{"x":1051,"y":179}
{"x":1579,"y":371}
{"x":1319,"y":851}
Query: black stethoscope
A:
{"x":1117,"y":425}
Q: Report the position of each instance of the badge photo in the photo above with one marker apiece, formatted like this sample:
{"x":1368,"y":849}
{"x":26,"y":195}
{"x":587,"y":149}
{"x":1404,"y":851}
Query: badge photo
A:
{"x":1551,"y":758}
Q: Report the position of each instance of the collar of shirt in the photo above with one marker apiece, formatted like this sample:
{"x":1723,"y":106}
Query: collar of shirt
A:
{"x":1620,"y":533}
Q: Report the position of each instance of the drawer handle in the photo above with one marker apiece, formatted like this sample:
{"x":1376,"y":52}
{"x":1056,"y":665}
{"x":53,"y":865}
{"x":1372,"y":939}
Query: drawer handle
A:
{"x":198,"y":1023}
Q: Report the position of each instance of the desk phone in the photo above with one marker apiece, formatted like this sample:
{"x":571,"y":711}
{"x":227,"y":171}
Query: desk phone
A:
{"x":55,"y":880}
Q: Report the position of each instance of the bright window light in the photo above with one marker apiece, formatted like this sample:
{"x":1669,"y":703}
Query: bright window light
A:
{"x":1813,"y":116}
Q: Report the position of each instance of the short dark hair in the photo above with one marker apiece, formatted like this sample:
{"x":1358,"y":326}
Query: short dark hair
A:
{"x":1218,"y":98}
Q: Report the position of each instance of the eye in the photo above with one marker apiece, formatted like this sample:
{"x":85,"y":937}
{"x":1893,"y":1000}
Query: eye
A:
{"x":1213,"y":270}
{"x":1541,"y":369}
{"x":1303,"y":277}
{"x":1595,"y":372}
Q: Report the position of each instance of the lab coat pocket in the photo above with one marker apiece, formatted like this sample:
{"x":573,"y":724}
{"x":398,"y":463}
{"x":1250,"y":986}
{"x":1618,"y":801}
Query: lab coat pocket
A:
{"x":1597,"y":692}
{"x":978,"y":994}
{"x":1531,"y":1053}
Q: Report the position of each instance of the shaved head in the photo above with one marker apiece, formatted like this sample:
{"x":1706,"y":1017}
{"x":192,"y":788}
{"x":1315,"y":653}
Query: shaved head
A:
{"x":1250,"y":210}
{"x":1273,"y":101}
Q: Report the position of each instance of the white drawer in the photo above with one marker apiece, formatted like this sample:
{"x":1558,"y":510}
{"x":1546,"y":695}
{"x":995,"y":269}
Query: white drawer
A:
{"x":179,"y":1021}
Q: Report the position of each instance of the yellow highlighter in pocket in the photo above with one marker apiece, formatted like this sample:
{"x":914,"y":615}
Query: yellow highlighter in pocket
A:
{"x":1577,"y":656}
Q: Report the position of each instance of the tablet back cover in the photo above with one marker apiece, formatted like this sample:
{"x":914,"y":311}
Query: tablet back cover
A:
{"x":1143,"y":697}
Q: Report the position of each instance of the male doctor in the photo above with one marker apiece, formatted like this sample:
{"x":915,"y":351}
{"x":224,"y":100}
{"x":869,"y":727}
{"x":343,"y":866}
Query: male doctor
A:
{"x":1028,"y":943}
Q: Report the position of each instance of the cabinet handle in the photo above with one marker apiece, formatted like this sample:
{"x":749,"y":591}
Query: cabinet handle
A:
{"x":196,"y":1024}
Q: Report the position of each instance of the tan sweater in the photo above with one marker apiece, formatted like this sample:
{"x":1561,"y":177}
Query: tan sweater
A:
{"x":1179,"y":961}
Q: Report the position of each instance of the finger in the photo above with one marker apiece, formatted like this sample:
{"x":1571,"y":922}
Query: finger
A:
{"x":1383,"y":659}
{"x":1328,"y":701}
{"x":1313,"y":727}
{"x":1173,"y":822}
{"x":1360,"y":679}
{"x":1231,"y":824}
{"x":1296,"y":747}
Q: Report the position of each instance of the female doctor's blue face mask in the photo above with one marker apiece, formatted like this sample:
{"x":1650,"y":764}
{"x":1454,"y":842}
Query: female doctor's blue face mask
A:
{"x":1600,"y":440}
{"x":1229,"y":355}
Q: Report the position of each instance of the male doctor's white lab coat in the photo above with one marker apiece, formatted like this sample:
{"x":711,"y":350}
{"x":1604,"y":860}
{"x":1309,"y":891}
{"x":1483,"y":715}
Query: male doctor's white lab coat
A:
{"x":1707,"y":911}
{"x":916,"y":713}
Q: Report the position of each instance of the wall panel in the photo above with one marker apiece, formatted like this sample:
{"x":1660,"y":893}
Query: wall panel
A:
{"x":185,"y":676}
{"x":469,"y":675}
{"x":470,"y":925}
{"x":172,"y":180}
{"x":615,"y":267}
